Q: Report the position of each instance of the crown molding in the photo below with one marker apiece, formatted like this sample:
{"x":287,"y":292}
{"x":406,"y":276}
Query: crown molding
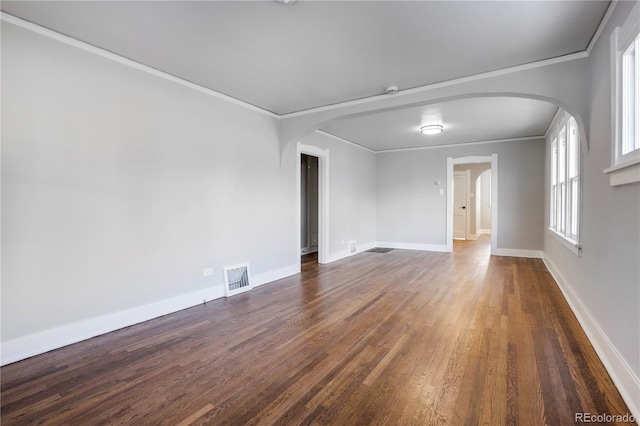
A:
{"x":454,"y":145}
{"x":603,"y":23}
{"x":348,"y":142}
{"x":447,"y":83}
{"x":169,"y":77}
{"x":128,"y":62}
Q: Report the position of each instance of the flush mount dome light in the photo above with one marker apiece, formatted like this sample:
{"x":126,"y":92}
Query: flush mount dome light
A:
{"x":431,"y":129}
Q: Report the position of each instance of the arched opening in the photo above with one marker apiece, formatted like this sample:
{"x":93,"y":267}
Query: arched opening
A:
{"x":296,"y":127}
{"x":438,"y":235}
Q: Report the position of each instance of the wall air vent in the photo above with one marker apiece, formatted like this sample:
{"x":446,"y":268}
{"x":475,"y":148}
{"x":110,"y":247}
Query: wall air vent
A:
{"x":237,"y":279}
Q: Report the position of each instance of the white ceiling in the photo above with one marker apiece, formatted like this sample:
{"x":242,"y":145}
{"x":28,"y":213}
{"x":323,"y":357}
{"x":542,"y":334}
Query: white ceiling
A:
{"x":292,"y":57}
{"x":464,"y":121}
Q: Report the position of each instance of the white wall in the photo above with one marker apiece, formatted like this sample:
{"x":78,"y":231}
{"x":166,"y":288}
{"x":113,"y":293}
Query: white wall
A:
{"x":352,"y":194}
{"x":604,"y":284}
{"x":412,"y":211}
{"x":119,"y":187}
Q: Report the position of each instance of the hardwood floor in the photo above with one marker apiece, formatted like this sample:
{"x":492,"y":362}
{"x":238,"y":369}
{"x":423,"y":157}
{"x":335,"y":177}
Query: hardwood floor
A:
{"x":395,"y":338}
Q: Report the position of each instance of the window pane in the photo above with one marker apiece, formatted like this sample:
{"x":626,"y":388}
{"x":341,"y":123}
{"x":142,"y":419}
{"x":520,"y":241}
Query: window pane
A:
{"x":629,"y":98}
{"x":636,"y":144}
{"x":554,"y":185}
{"x":554,"y":162}
{"x":554,"y":195}
{"x":573,"y":149}
{"x":563,"y":207}
{"x":562,"y":152}
{"x":574,"y":207}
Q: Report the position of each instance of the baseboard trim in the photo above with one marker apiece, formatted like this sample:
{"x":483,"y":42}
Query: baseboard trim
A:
{"x":58,"y":337}
{"x":484,"y":231}
{"x":532,"y":254}
{"x":414,"y":246}
{"x":334,"y":257}
{"x":275,"y":275}
{"x":623,"y":377}
{"x":404,"y":246}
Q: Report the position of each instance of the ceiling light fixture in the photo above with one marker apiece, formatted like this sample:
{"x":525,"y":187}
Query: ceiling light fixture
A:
{"x":431,"y":129}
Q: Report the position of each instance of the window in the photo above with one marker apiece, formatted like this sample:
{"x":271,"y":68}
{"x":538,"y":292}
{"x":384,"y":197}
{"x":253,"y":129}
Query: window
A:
{"x":630,"y":110}
{"x":564,"y":211}
{"x":625,"y":101}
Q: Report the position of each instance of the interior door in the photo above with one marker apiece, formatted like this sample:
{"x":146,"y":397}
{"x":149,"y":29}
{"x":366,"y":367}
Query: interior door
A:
{"x":459,"y":205}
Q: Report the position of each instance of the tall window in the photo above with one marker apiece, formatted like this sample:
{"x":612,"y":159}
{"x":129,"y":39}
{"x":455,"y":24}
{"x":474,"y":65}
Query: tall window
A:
{"x":625,"y":101}
{"x":564,"y":204}
{"x":630,"y":109}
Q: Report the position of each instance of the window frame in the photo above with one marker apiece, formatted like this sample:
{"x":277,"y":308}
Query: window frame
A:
{"x":625,"y":168}
{"x":565,"y":181}
{"x":629,"y":76}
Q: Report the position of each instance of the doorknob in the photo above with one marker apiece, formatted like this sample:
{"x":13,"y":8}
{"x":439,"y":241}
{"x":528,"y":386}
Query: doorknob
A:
{"x":464,"y":207}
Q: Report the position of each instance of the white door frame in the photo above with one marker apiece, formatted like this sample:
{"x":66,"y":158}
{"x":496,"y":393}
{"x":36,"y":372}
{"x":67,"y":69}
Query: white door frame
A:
{"x":493,"y":159}
{"x":323,"y":200}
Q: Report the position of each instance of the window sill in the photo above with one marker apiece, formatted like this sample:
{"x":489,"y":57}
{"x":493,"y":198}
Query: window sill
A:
{"x":624,"y":173}
{"x":573,"y":246}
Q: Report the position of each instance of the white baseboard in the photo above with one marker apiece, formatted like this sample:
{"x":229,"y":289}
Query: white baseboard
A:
{"x":414,"y":246}
{"x":534,"y":254}
{"x":277,"y":274}
{"x":483,"y":231}
{"x":44,"y":341}
{"x":333,"y":257}
{"x":623,"y":377}
{"x":47,"y":340}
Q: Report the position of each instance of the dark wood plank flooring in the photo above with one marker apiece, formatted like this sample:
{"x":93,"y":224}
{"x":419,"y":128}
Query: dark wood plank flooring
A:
{"x":398,"y":338}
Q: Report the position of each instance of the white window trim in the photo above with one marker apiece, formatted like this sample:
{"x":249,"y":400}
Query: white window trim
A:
{"x":572,"y":245}
{"x":560,"y":121}
{"x":624,"y":169}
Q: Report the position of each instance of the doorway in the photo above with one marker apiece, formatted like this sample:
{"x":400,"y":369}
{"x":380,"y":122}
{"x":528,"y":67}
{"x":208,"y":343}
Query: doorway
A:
{"x":480,"y":215}
{"x":308,"y":205}
{"x":316,"y":237}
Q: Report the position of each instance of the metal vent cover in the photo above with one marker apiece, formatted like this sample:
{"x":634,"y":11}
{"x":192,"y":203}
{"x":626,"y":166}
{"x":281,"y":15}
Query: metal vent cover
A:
{"x":237,"y":279}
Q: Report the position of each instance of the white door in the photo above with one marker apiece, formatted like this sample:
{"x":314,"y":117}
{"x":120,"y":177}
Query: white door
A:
{"x":459,"y":205}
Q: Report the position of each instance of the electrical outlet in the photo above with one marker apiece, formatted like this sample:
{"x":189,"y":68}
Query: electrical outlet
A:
{"x":441,"y":191}
{"x":208,"y":271}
